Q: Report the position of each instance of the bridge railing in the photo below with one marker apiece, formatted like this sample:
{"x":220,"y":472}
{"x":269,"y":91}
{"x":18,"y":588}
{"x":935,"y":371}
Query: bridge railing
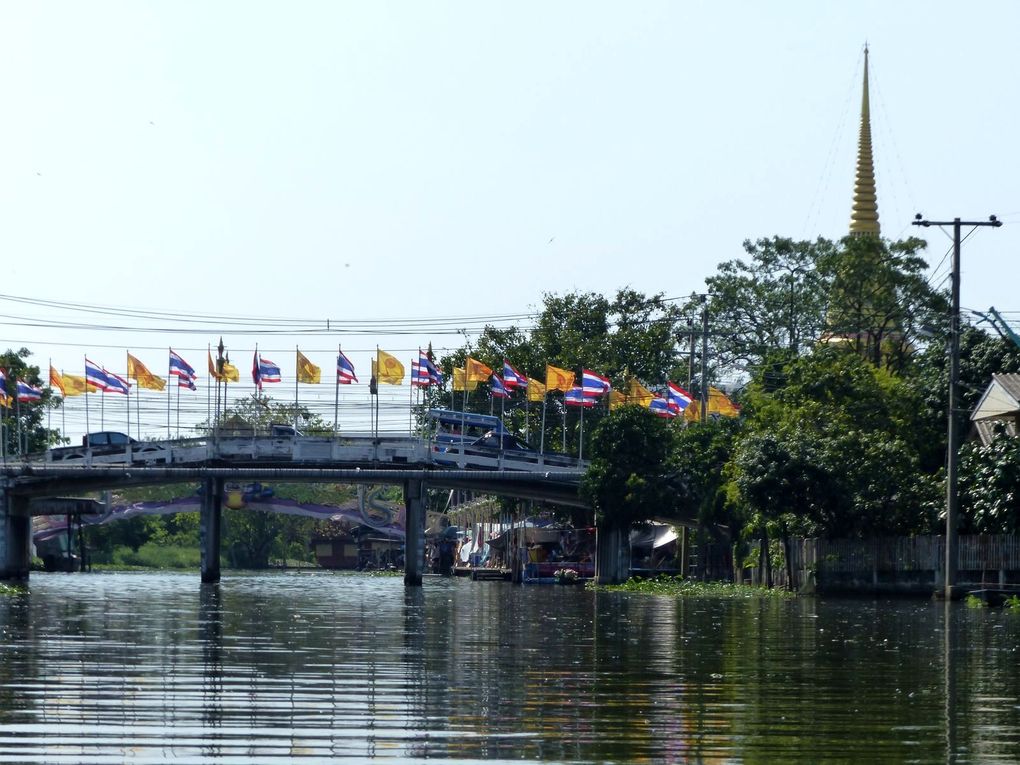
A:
{"x":351,"y":448}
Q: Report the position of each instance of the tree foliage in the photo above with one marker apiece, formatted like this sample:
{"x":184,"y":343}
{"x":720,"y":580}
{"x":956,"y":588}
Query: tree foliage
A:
{"x":626,"y":480}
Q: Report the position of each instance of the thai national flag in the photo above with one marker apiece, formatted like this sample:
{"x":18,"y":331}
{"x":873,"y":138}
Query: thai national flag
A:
{"x":116,"y":384}
{"x":180,"y":367}
{"x":594,"y":384}
{"x":498,"y":388}
{"x":345,"y":370}
{"x":419,"y":375}
{"x":678,"y":398}
{"x":661,"y":407}
{"x":434,"y":375}
{"x":28,"y":393}
{"x":95,"y":375}
{"x":512,"y":378}
{"x":3,"y":380}
{"x":186,"y":382}
{"x":575,"y":397}
{"x":268,"y":371}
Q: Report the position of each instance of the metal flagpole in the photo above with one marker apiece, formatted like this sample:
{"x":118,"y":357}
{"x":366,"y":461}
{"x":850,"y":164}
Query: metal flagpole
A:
{"x":49,"y":409}
{"x":178,"y":407}
{"x":102,"y":407}
{"x":541,"y":444}
{"x":17,"y":418}
{"x":63,"y":410}
{"x":336,"y":394}
{"x":169,"y":377}
{"x":297,"y":376}
{"x":564,"y":422}
{"x":208,"y":392}
{"x":87,"y":426}
{"x":580,"y":441}
{"x":127,"y":398}
{"x":410,"y":401}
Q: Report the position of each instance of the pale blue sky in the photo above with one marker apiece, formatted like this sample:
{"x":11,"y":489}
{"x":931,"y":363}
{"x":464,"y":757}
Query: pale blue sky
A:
{"x":379,"y":160}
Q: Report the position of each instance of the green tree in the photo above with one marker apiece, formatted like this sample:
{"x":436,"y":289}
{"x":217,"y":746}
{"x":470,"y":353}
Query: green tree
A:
{"x":990,"y":486}
{"x":35,"y":436}
{"x":775,"y":299}
{"x":626,"y":478}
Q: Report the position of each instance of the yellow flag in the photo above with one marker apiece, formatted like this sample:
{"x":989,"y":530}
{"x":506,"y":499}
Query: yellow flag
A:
{"x":639,"y":394}
{"x":719,"y":403}
{"x":230,"y":373}
{"x":559,"y":379}
{"x":74,"y":385}
{"x":307,"y":372}
{"x":139,"y":372}
{"x":460,"y":381}
{"x":55,"y":381}
{"x":477,"y":371}
{"x":5,"y":400}
{"x":388,"y":369}
{"x":617,"y":399}
{"x":536,"y":390}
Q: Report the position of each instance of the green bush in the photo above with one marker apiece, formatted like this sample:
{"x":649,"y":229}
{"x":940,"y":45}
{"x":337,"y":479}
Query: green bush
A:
{"x":152,"y":555}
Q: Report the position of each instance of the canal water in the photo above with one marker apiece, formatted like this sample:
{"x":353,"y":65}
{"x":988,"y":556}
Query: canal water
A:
{"x":323,"y":667}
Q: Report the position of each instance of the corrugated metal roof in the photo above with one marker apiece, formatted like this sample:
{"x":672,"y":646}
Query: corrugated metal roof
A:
{"x":986,"y":429}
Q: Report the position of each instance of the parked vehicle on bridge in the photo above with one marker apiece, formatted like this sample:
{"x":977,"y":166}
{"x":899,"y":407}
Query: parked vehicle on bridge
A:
{"x":108,"y":446}
{"x":503,"y":442}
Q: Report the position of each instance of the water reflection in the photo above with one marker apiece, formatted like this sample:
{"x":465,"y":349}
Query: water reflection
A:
{"x":110,"y":667}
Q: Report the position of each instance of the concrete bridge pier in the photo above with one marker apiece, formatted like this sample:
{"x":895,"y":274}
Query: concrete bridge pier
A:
{"x":414,"y":533}
{"x":210,"y":517}
{"x":15,"y":538}
{"x":612,"y":555}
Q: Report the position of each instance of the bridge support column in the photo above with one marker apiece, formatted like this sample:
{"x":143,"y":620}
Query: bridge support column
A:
{"x":612,"y":555}
{"x":414,"y":533}
{"x":15,"y":538}
{"x":209,"y":528}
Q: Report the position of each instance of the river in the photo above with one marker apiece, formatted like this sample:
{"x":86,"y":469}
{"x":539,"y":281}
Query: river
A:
{"x":320,"y":667}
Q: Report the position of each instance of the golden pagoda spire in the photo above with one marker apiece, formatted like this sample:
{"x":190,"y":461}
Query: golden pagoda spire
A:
{"x":864,"y":216}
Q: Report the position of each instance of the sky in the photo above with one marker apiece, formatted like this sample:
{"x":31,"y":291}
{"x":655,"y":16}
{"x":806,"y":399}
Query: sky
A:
{"x":324,"y":174}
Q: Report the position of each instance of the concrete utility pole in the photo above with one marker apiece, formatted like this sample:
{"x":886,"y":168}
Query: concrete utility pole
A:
{"x":953,"y":447}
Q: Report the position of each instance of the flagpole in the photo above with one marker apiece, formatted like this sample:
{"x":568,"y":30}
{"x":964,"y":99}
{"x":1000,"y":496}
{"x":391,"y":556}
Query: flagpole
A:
{"x":208,"y":391}
{"x":169,"y":377}
{"x":138,"y":410}
{"x":580,"y":442}
{"x":410,"y":401}
{"x":541,"y":445}
{"x":102,"y":403}
{"x":49,"y":409}
{"x":17,"y":417}
{"x":87,"y":426}
{"x":63,"y":410}
{"x":564,"y":422}
{"x":178,"y":407}
{"x":336,"y":393}
{"x":127,"y":379}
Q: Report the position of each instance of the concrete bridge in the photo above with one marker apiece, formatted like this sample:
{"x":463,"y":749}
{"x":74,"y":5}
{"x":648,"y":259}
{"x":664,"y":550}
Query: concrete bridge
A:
{"x":414,"y":463}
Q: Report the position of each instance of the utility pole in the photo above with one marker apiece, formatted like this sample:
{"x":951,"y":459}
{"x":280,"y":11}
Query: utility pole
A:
{"x":953,"y":435}
{"x":704,"y":358}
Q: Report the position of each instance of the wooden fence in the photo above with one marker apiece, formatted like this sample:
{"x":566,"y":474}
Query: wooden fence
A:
{"x":896,"y":564}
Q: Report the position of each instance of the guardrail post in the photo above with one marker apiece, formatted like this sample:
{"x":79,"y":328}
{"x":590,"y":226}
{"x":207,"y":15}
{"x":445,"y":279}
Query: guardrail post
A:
{"x":414,"y":533}
{"x":15,"y":538}
{"x":209,"y":528}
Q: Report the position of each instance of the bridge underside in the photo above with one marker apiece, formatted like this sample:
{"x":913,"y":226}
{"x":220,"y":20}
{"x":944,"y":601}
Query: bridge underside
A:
{"x":25,"y":481}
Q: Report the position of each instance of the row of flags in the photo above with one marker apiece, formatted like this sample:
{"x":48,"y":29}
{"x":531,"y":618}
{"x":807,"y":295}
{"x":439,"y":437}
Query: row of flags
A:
{"x":387,"y":369}
{"x":672,"y":403}
{"x":24,"y":392}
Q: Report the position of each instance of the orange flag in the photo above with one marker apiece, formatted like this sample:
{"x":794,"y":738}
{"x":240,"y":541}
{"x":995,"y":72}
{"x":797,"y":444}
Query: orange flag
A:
{"x":476,"y":371}
{"x":559,"y":379}
{"x":56,"y":381}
